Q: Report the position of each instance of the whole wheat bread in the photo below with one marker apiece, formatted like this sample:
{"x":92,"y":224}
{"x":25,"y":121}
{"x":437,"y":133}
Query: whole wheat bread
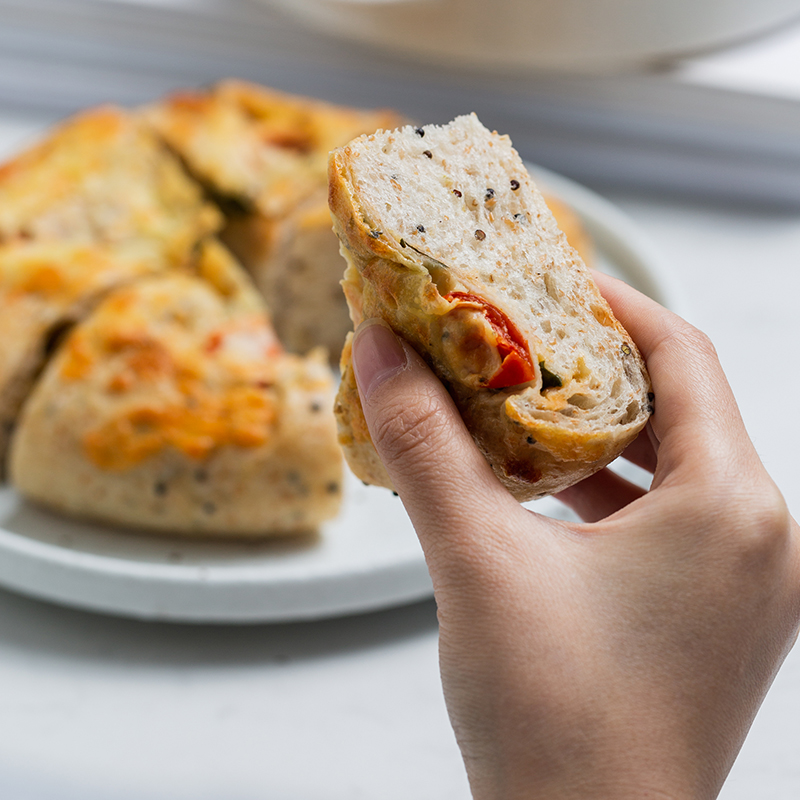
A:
{"x":448,"y":240}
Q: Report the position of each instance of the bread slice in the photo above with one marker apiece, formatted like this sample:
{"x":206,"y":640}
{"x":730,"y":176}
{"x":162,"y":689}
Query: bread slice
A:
{"x":173,"y":408}
{"x":447,"y":239}
{"x":97,"y":203}
{"x":45,"y":287}
{"x":263,"y":155}
{"x":102,"y":177}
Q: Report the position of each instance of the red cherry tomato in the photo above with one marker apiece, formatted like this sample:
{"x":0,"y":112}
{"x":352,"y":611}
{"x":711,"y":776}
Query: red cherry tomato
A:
{"x":517,"y":366}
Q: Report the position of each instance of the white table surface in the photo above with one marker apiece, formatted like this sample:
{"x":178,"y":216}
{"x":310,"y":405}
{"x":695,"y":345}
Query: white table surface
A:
{"x":95,"y":707}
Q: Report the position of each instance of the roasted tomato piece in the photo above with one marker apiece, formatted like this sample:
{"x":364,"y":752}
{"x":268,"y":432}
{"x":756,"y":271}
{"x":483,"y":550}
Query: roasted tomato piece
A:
{"x":516,"y":366}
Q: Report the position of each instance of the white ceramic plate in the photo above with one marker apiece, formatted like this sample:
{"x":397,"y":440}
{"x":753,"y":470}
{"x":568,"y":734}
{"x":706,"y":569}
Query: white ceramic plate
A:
{"x":367,"y":559}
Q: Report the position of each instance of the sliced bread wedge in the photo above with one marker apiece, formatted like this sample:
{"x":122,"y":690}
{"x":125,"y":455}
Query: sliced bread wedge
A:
{"x":448,"y":240}
{"x":262,"y":155}
{"x":173,"y":408}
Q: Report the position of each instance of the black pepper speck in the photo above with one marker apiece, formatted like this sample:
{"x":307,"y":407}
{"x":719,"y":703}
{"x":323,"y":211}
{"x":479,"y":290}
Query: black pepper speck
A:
{"x":456,"y":193}
{"x":332,"y":487}
{"x":514,"y":185}
{"x":160,"y":488}
{"x":315,"y":408}
{"x":419,"y":131}
{"x":480,"y":235}
{"x":427,"y":153}
{"x":375,"y":234}
{"x":402,"y":243}
{"x":421,"y":228}
{"x":489,"y":195}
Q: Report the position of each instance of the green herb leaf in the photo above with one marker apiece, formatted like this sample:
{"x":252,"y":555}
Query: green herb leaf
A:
{"x":549,"y":379}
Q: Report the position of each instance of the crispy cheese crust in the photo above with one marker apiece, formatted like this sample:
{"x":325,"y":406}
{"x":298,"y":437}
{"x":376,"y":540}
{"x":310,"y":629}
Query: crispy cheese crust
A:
{"x":44,"y":288}
{"x":170,"y":405}
{"x":102,"y":177}
{"x":173,"y":408}
{"x":97,"y":203}
{"x":264,"y":155}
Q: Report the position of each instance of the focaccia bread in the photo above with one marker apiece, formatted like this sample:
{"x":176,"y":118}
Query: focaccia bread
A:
{"x":447,"y":239}
{"x":174,"y":408}
{"x":263,"y":156}
{"x":97,"y":203}
{"x":45,"y":287}
{"x":103,"y":177}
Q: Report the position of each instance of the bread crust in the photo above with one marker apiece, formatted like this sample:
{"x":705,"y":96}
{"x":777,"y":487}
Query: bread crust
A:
{"x":537,"y":437}
{"x":102,"y":177}
{"x":174,"y":409}
{"x":264,"y":154}
{"x":97,"y":203}
{"x":45,"y":287}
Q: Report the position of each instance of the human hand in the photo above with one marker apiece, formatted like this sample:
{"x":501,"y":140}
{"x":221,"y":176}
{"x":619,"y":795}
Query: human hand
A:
{"x":624,"y":657}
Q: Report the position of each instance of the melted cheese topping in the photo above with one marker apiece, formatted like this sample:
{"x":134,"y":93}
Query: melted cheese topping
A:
{"x":170,"y":367}
{"x":201,"y":422}
{"x":58,"y":274}
{"x":260,"y":145}
{"x":102,"y":177}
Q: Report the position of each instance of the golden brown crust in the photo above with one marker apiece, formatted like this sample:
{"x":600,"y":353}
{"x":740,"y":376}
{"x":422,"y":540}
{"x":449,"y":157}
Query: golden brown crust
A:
{"x":354,"y":436}
{"x":93,"y":211}
{"x":265,"y":148}
{"x":265,"y":154}
{"x":44,"y":288}
{"x":102,"y":177}
{"x":173,"y":408}
{"x":96,"y":204}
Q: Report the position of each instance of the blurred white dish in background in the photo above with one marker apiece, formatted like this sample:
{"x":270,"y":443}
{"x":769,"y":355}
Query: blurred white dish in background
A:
{"x":583,"y":35}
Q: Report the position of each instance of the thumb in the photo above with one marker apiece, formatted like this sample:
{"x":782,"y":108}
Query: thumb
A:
{"x":443,"y":479}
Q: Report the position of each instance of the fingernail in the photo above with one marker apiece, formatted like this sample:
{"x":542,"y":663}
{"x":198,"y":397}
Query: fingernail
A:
{"x":377,"y":355}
